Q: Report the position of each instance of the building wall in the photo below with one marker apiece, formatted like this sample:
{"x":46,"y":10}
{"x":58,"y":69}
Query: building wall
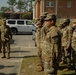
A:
{"x":60,"y":8}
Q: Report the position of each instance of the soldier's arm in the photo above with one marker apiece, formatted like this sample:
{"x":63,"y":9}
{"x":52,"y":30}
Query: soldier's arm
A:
{"x":69,"y":37}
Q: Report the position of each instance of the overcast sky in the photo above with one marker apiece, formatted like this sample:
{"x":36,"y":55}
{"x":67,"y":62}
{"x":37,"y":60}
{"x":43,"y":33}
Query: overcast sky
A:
{"x":3,"y":3}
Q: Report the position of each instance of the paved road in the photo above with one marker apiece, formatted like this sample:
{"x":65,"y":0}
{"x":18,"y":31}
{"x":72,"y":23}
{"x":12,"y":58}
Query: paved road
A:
{"x":22,"y":45}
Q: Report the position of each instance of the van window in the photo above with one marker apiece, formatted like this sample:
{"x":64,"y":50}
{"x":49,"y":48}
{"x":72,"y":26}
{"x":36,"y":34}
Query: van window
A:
{"x":28,"y":23}
{"x":20,"y":22}
{"x":11,"y":22}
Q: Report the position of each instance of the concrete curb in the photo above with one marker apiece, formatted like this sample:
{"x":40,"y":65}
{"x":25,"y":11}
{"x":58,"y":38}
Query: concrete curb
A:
{"x":20,"y":67}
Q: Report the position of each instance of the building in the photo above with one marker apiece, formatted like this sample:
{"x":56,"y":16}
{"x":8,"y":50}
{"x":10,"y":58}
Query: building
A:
{"x":62,"y":8}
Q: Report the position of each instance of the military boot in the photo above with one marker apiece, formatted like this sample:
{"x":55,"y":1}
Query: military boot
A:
{"x":3,"y":56}
{"x":40,"y":68}
{"x":62,"y":62}
{"x":8,"y":55}
{"x":66,"y":69}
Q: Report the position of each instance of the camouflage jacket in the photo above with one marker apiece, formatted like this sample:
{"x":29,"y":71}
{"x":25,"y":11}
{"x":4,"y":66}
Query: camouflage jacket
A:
{"x":52,"y":40}
{"x":5,"y":32}
{"x":38,"y":37}
{"x":74,"y":40}
{"x":66,"y":36}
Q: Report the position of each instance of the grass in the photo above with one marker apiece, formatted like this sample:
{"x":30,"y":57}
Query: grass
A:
{"x":28,"y":67}
{"x":0,"y":22}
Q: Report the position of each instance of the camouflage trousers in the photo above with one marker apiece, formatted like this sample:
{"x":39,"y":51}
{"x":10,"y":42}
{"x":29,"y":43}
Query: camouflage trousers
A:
{"x":40,"y":60}
{"x":67,"y":57}
{"x":50,"y":63}
{"x":74,"y":58}
{"x":62,"y":54}
{"x":0,"y":46}
{"x":5,"y":45}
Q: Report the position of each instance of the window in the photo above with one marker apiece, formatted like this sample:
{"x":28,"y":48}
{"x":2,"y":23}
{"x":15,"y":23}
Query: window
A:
{"x":59,"y":16}
{"x":29,"y":23}
{"x":68,"y":16}
{"x":20,"y":22}
{"x":49,"y":3}
{"x":11,"y":22}
{"x":69,"y":4}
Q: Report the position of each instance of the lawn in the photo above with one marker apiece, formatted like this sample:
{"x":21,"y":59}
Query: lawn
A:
{"x":28,"y":67}
{"x":0,"y":22}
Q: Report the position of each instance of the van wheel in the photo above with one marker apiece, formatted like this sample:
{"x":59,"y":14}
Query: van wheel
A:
{"x":14,"y":31}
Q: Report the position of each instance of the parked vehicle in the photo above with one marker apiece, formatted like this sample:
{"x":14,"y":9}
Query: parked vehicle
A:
{"x":34,"y":37}
{"x":21,"y":25}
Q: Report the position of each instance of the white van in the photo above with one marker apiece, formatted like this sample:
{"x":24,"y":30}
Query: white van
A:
{"x":21,"y":25}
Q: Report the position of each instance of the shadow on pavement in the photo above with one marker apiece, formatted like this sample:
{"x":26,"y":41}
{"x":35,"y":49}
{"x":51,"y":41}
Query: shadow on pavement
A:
{"x":30,"y":56}
{"x":69,"y":74}
{"x":18,"y":51}
{"x":2,"y":66}
{"x":25,"y":56}
{"x":8,"y":74}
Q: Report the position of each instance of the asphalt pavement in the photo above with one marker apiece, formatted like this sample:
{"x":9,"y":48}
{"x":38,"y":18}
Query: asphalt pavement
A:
{"x":21,"y":46}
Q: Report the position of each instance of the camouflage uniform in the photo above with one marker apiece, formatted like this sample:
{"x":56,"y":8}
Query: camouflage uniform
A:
{"x":0,"y":43}
{"x":51,"y":51}
{"x":38,"y":41}
{"x":5,"y":39}
{"x":74,"y":46}
{"x":66,"y":43}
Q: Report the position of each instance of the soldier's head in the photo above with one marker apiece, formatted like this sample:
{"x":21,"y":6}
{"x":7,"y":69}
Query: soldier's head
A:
{"x":39,"y":25}
{"x":74,"y":22}
{"x":4,"y":22}
{"x":60,"y":26}
{"x":43,"y":16}
{"x":50,"y":20}
{"x":66,"y":22}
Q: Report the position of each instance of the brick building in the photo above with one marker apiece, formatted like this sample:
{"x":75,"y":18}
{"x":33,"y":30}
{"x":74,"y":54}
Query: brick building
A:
{"x":62,"y":8}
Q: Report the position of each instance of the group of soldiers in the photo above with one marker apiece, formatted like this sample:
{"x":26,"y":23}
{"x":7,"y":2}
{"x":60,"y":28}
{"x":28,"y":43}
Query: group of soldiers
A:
{"x":5,"y":38}
{"x":56,"y":44}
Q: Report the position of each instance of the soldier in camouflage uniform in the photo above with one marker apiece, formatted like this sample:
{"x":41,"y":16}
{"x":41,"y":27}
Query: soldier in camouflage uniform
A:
{"x":38,"y":41}
{"x":6,"y":36}
{"x":66,"y":42}
{"x":74,"y":44}
{"x":51,"y":51}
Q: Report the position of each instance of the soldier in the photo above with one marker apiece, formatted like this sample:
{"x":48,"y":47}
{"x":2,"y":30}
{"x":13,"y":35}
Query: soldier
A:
{"x":6,"y":36}
{"x":66,"y":43}
{"x":38,"y":41}
{"x":39,"y":38}
{"x":60,"y":26}
{"x":51,"y":51}
{"x":74,"y":44}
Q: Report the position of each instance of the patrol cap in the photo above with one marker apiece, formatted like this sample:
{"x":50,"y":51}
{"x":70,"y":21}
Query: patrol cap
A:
{"x":37,"y":19}
{"x":66,"y":20}
{"x":50,"y":17}
{"x":44,"y":14}
{"x":4,"y":20}
{"x":60,"y":24}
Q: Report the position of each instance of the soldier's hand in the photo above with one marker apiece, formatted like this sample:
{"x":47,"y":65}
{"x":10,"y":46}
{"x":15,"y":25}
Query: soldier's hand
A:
{"x":65,"y":48}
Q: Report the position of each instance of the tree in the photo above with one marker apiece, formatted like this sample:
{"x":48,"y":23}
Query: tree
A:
{"x":20,"y":5}
{"x":12,"y":3}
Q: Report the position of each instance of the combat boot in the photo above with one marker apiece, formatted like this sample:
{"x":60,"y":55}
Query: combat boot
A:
{"x":40,"y":68}
{"x":3,"y":56}
{"x":62,"y":62}
{"x":66,"y":69}
{"x":8,"y":55}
